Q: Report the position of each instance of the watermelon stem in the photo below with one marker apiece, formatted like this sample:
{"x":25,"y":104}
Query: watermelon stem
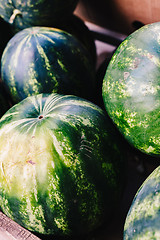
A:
{"x":13,"y":16}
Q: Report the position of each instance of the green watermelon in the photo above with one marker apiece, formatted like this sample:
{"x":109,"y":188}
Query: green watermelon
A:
{"x":62,"y":167}
{"x":77,"y":27}
{"x":45,"y":60}
{"x":131,"y":89}
{"x":27,"y":13}
{"x":143,"y":218}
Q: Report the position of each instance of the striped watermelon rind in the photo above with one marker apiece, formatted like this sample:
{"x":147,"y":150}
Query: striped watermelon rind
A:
{"x":62,"y":167}
{"x":131,"y":89}
{"x":143,"y":218}
{"x":23,"y":14}
{"x":77,"y":27}
{"x":45,"y":60}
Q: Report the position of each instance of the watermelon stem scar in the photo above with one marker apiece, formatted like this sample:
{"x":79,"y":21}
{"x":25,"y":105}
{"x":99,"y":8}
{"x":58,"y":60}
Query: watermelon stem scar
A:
{"x":13,"y":16}
{"x":40,"y":117}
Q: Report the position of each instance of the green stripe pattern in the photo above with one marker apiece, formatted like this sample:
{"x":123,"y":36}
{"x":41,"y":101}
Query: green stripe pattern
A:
{"x":143,"y":219}
{"x":45,"y":60}
{"x":35,"y":13}
{"x":61,"y":165}
{"x":131,"y":88}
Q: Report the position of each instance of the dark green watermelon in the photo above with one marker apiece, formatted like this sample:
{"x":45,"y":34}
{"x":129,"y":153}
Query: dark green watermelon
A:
{"x":45,"y":60}
{"x":27,"y":13}
{"x":143,"y":218}
{"x":62,"y":165}
{"x":131,"y":89}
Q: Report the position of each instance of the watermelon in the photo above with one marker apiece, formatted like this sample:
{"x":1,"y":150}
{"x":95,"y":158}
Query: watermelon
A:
{"x":22,"y":14}
{"x":62,"y":165}
{"x":45,"y":60}
{"x":131,"y":89}
{"x":77,"y":27}
{"x":143,"y":218}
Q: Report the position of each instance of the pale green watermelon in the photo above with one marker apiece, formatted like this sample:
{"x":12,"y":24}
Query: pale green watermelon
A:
{"x":62,"y":165}
{"x":131,"y":89}
{"x":143,"y":218}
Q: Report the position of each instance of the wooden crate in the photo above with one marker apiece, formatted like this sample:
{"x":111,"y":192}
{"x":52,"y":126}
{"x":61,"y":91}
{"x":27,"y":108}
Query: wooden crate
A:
{"x":120,"y":15}
{"x":10,"y":230}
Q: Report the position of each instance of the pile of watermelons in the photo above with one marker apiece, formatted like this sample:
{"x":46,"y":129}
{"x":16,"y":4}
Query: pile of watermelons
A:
{"x":63,"y":136}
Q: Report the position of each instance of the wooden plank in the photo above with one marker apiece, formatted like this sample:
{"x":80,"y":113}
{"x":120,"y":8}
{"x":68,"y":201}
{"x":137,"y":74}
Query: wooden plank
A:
{"x":10,"y":230}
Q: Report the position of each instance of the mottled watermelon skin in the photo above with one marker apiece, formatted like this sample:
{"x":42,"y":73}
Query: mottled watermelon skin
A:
{"x":45,"y":60}
{"x":143,"y":218}
{"x":62,"y":170}
{"x":23,"y":13}
{"x":131,"y":89}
